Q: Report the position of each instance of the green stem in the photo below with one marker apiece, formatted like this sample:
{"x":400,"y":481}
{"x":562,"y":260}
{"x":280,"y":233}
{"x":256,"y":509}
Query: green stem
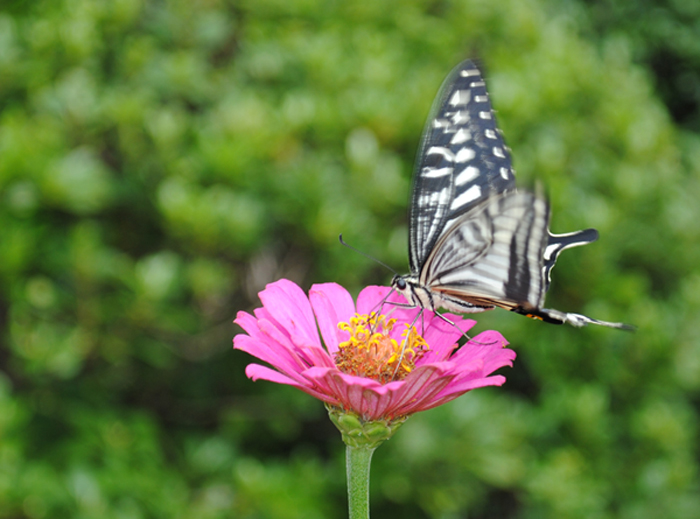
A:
{"x":358,"y":461}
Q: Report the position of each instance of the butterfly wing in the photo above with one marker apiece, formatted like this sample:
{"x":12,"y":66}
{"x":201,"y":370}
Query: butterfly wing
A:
{"x":493,"y":255}
{"x":559,"y":242}
{"x":501,"y":254}
{"x":474,"y":241}
{"x":462,"y":161}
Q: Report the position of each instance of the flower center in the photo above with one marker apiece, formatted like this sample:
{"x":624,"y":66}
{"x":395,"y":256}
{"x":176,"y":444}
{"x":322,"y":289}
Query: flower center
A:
{"x":371,"y":352}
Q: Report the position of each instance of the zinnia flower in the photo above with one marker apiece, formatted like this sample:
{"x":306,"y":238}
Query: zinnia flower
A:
{"x":378,"y":362}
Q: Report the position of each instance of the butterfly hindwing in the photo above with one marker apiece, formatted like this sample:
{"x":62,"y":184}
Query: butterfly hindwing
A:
{"x":505,"y":268}
{"x":462,"y":160}
{"x":559,"y":242}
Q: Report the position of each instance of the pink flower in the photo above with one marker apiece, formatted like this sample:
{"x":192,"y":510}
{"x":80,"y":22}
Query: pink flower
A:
{"x":371,"y":365}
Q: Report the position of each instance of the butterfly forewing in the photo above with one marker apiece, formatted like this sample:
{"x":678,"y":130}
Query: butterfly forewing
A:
{"x":462,"y":160}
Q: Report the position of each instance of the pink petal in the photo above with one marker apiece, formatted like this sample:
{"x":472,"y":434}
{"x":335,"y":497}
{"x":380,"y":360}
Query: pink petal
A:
{"x":442,"y":336}
{"x":490,"y":346}
{"x":247,"y":322}
{"x":252,"y":325}
{"x":422,"y":386}
{"x":372,"y":400}
{"x":258,"y":372}
{"x":370,"y":298}
{"x":269,"y":344}
{"x":331,"y":304}
{"x":359,"y":397}
{"x":454,"y":392}
{"x":315,"y":355}
{"x":262,"y":348}
{"x":266,"y":329}
{"x":290,"y":307}
{"x":468,"y":385}
{"x":375,"y":402}
{"x":356,"y":393}
{"x":287,"y":365}
{"x":473,"y":374}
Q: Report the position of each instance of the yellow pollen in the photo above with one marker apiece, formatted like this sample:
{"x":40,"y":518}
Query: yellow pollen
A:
{"x":371,"y":352}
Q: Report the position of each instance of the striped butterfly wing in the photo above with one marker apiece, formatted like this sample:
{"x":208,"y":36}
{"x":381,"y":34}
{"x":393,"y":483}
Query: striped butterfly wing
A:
{"x":492,"y":255}
{"x":501,"y":253}
{"x":462,"y":161}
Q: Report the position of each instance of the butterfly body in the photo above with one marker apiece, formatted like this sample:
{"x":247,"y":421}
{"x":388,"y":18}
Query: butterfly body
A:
{"x":475,"y":242}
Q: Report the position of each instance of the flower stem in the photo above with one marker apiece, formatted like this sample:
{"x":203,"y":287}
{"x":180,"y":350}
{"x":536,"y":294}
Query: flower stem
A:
{"x":358,"y":460}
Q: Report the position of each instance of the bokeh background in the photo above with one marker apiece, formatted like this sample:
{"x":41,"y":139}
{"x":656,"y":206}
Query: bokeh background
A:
{"x":162,"y":160}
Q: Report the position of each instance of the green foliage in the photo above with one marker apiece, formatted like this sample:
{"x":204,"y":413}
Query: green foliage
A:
{"x":160,"y":162}
{"x":662,"y":33}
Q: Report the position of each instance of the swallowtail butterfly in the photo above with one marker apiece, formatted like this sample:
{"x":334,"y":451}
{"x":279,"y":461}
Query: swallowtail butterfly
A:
{"x":475,"y":242}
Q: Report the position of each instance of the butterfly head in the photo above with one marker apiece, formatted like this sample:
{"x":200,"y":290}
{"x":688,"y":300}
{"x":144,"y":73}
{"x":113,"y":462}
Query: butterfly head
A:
{"x":399,"y":283}
{"x":406,"y":286}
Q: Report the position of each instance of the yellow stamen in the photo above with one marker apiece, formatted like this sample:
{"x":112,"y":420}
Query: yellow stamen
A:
{"x":371,"y":352}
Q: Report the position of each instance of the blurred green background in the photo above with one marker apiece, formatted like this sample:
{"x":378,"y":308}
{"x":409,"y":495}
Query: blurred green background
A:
{"x":162,"y":160}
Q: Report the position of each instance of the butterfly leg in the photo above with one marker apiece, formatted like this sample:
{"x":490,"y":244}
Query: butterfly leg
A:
{"x":453,"y":324}
{"x":403,"y":343}
{"x":380,"y":305}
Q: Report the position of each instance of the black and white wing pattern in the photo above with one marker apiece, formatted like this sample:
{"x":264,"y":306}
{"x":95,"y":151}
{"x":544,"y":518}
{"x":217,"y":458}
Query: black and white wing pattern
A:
{"x":475,"y":242}
{"x":462,"y":160}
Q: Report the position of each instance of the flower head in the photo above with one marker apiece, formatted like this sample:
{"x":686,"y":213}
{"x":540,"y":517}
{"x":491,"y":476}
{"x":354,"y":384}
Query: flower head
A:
{"x":376,"y":361}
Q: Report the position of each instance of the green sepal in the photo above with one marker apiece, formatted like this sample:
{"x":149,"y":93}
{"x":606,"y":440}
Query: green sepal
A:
{"x":359,"y":433}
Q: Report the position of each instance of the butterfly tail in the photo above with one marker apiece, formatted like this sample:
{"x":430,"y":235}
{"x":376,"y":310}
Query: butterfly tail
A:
{"x":557,"y":243}
{"x":549,"y":315}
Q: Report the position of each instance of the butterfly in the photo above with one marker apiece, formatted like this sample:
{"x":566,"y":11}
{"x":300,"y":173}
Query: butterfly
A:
{"x":475,"y":242}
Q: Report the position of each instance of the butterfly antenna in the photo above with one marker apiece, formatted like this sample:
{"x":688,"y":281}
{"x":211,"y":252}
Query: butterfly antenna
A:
{"x":366,"y":255}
